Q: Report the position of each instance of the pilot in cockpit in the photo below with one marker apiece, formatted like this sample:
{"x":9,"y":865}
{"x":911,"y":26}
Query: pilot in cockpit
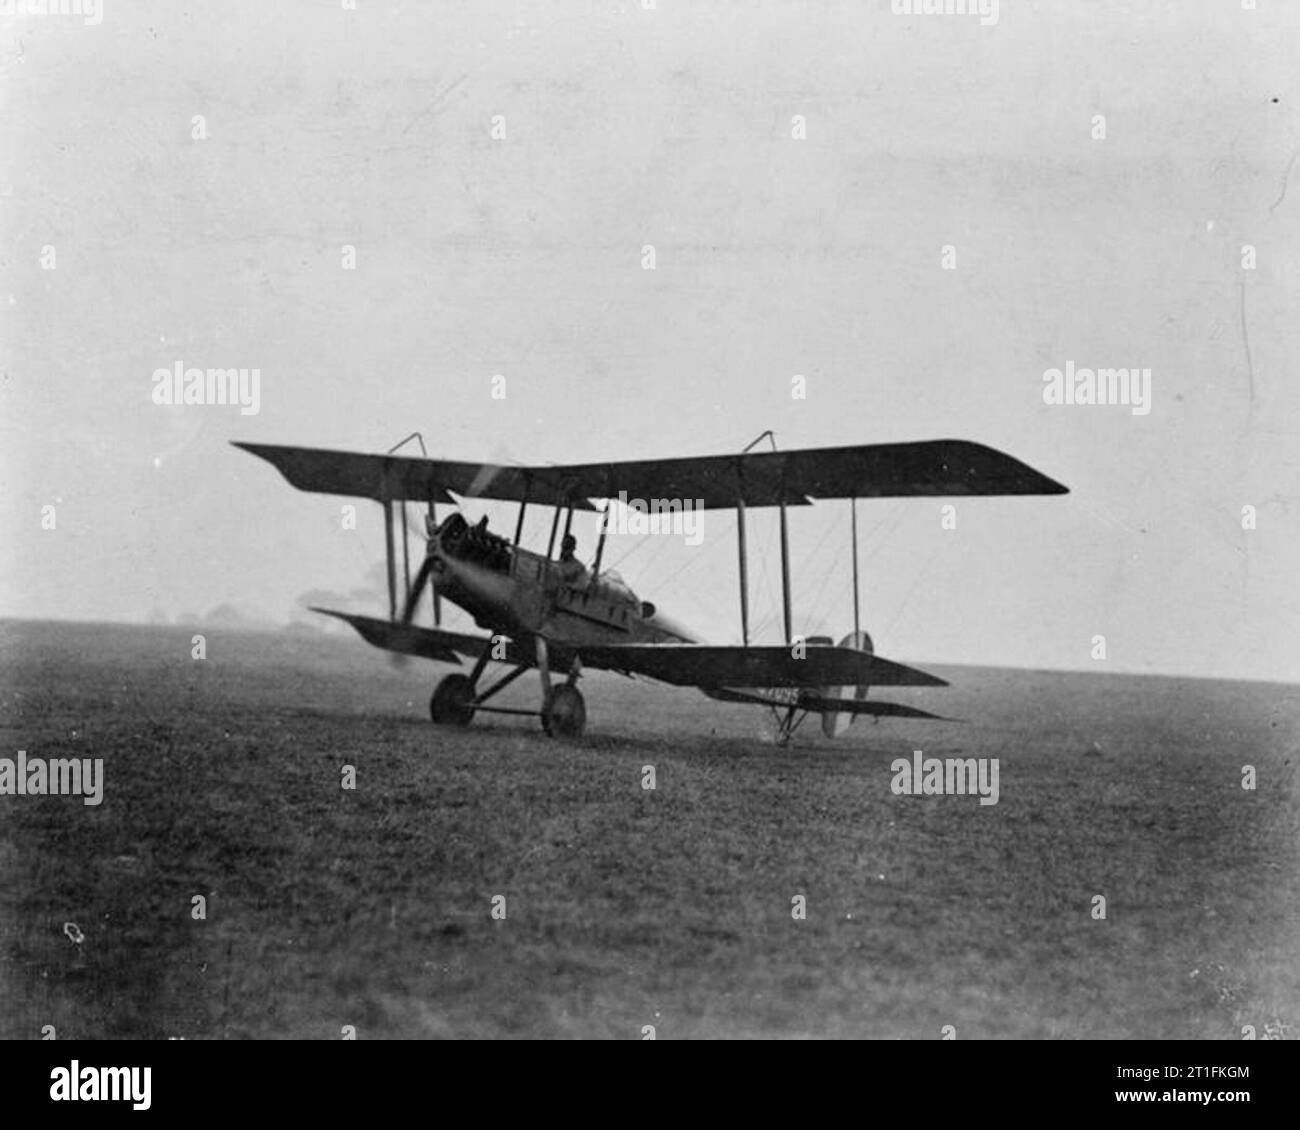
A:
{"x":572,"y":571}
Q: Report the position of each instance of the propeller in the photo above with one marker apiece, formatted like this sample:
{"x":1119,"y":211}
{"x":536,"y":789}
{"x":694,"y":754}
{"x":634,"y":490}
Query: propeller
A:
{"x":425,"y":574}
{"x":486,"y":474}
{"x":413,"y":598}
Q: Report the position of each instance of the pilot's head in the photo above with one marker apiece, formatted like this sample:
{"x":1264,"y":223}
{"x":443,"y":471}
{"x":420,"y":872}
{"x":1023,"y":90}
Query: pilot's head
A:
{"x":568,"y":545}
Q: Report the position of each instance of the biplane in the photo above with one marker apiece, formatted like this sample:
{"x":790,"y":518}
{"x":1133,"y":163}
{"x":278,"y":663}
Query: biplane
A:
{"x":558,"y":616}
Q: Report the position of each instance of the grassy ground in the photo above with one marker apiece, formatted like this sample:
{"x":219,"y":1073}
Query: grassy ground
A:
{"x":627,"y":907}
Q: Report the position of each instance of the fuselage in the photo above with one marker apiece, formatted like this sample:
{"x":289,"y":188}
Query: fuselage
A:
{"x":509,"y":589}
{"x":512,"y":590}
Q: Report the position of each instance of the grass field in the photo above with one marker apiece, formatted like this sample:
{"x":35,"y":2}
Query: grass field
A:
{"x":626,"y":907}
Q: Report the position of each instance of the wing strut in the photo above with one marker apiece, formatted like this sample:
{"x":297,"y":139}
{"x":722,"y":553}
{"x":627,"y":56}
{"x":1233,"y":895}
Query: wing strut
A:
{"x":406,"y":554}
{"x":523,"y":509}
{"x":770,"y":436}
{"x":744,"y":572}
{"x":853,"y":522}
{"x":600,"y":545}
{"x":406,"y":544}
{"x":555,"y":528}
{"x":392,"y":558}
{"x":785,"y":573}
{"x":431,"y":525}
{"x":567,"y":509}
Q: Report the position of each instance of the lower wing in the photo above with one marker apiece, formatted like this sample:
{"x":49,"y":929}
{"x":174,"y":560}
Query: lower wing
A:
{"x":684,"y":665}
{"x":428,"y":643}
{"x":705,"y":665}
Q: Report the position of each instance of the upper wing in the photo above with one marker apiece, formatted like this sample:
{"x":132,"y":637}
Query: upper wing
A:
{"x":890,"y":470}
{"x":385,"y":477}
{"x":768,"y":478}
{"x":705,"y":665}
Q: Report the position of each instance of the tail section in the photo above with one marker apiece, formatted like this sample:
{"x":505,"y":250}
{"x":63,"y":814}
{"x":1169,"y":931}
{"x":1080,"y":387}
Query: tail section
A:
{"x":836,"y":723}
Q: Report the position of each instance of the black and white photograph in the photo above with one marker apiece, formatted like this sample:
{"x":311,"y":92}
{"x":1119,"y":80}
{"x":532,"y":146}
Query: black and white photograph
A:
{"x":644,"y":520}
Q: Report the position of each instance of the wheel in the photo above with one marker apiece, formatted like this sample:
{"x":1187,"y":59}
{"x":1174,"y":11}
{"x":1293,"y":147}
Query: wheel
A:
{"x":450,"y":703}
{"x":565,"y":715}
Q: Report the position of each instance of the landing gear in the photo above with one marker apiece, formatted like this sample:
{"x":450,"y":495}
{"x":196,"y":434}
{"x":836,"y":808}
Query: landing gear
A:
{"x":787,"y":721}
{"x":565,"y":716}
{"x":457,"y":698}
{"x":452,"y":701}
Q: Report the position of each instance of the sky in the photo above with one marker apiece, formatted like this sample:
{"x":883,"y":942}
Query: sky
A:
{"x":918,"y":214}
